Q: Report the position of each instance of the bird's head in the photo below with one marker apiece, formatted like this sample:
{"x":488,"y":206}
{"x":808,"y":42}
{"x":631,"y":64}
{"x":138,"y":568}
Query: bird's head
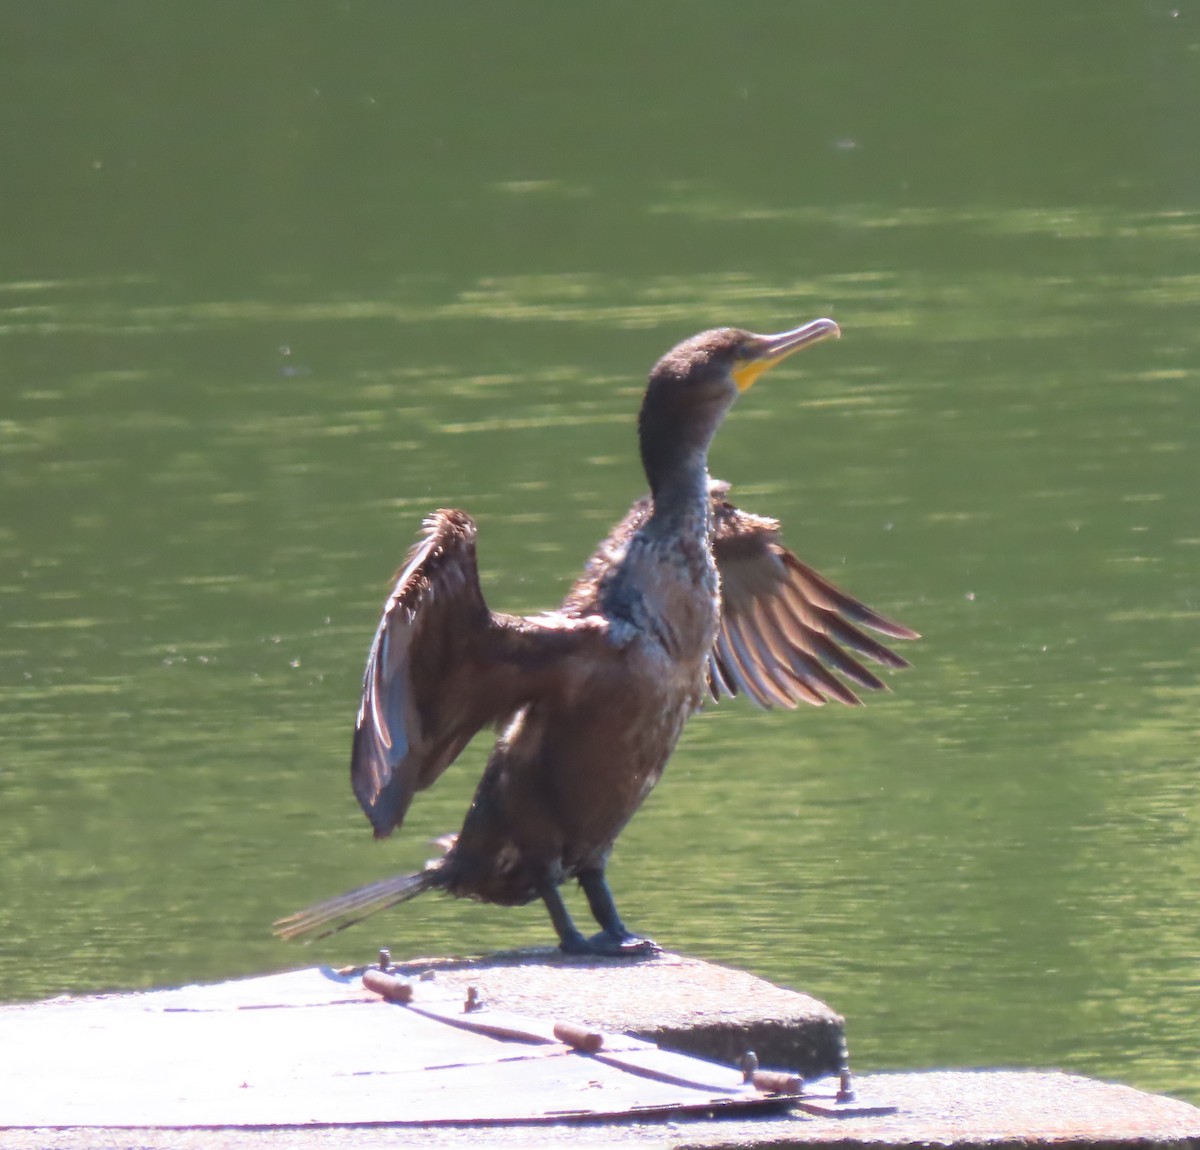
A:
{"x":727,"y":360}
{"x":696,"y":382}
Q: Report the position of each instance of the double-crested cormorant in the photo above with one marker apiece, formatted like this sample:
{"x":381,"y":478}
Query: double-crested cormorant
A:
{"x":688,"y":596}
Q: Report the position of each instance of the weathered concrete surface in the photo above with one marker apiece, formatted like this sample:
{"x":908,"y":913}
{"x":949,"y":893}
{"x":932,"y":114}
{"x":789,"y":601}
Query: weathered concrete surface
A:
{"x":992,"y":1110}
{"x":996,"y":1110}
{"x":680,"y":1003}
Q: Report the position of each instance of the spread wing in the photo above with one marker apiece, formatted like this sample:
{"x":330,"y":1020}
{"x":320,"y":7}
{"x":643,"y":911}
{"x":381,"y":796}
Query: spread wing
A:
{"x":786,"y":632}
{"x":441,"y":667}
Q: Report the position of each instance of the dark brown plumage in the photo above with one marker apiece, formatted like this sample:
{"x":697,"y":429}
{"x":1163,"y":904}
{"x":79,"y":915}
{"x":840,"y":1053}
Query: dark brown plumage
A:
{"x":688,"y":596}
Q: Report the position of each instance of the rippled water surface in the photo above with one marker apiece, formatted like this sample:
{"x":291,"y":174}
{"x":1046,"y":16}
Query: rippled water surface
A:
{"x":275,"y":283}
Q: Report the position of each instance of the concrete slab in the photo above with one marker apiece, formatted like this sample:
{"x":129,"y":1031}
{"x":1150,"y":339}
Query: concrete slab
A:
{"x":991,"y":1110}
{"x":680,"y":1003}
{"x":675,"y":995}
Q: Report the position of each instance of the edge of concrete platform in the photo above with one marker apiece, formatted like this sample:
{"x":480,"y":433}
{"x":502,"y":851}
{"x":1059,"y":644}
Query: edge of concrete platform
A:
{"x":681,"y":1003}
{"x":958,"y":1110}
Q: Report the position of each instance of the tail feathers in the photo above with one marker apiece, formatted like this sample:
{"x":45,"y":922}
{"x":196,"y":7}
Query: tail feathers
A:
{"x":345,"y":910}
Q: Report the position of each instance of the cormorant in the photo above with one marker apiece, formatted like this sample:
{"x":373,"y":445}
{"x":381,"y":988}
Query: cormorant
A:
{"x":688,"y":596}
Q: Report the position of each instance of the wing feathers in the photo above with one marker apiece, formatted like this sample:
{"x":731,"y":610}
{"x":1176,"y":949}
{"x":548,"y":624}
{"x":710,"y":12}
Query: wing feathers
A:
{"x":749,"y":665}
{"x":397,"y":739}
{"x":786,"y":632}
{"x":441,"y":667}
{"x":819,"y":590}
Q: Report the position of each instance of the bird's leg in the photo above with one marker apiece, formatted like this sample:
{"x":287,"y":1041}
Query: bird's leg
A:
{"x":570,"y":938}
{"x":614,"y":938}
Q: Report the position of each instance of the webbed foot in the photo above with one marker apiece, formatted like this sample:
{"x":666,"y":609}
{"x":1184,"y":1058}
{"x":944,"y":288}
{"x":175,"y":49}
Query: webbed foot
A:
{"x":608,"y":945}
{"x":614,"y":940}
{"x":623,"y":945}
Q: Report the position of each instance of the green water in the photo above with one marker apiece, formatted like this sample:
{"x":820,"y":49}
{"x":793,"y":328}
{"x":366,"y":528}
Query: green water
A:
{"x":277,"y":280}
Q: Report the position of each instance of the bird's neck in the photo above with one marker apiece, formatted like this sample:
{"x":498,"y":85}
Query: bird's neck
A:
{"x":674,"y":434}
{"x":681,"y":500}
